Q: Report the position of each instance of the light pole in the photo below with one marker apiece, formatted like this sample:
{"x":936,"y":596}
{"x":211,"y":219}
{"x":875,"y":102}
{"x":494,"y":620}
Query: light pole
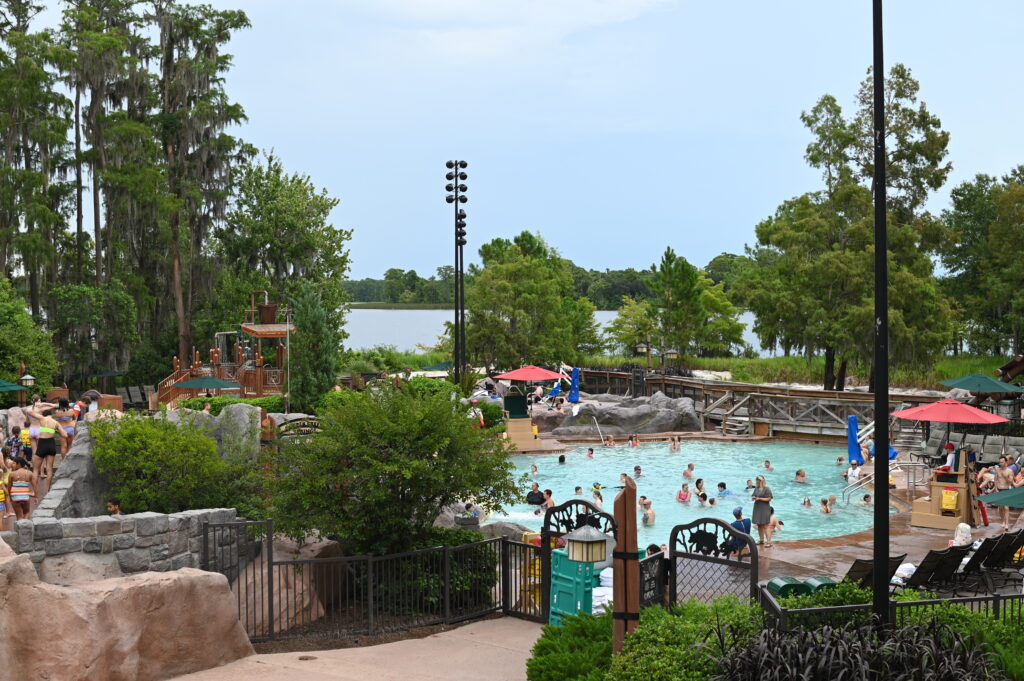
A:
{"x":457,"y":195}
{"x":880,"y":580}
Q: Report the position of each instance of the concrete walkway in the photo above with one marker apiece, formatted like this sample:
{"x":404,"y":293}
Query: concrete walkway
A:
{"x":491,"y":650}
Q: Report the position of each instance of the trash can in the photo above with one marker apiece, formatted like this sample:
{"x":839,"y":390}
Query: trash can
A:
{"x":782,"y":587}
{"x":816,"y":584}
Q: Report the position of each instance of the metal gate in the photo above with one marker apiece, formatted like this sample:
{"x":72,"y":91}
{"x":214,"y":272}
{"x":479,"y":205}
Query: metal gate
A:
{"x":710,"y":558}
{"x":339,"y":596}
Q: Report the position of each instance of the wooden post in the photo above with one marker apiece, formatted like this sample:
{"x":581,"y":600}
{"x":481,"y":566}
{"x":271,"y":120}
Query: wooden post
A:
{"x":626,"y":566}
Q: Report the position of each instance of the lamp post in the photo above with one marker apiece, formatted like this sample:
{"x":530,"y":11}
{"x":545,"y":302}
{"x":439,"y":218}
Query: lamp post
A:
{"x":643,"y":348}
{"x":671,"y":354}
{"x":456,"y":196}
{"x":27,"y":380}
{"x":880,"y":580}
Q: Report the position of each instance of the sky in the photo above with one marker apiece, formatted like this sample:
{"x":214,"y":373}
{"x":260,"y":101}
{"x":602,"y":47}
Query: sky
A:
{"x":614,"y":128}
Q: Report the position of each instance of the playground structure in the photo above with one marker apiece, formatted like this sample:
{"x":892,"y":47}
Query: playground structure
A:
{"x":247,"y":350}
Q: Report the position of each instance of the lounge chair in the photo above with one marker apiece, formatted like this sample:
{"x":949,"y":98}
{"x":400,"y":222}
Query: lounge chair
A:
{"x":138,"y":401}
{"x":126,"y":400}
{"x":924,"y":570}
{"x":147,"y":391}
{"x":973,"y":575}
{"x":862,"y":571}
{"x":1002,"y":557}
{"x":944,"y":576}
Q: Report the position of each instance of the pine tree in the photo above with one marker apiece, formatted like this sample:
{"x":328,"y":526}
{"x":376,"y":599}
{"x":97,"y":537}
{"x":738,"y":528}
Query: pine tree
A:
{"x":314,"y":348}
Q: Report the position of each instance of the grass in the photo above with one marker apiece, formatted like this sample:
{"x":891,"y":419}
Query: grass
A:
{"x":758,"y":370}
{"x":401,"y":306}
{"x":799,"y":370}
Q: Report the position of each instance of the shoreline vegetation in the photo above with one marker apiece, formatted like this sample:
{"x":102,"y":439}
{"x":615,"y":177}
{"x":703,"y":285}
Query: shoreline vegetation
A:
{"x":401,"y":306}
{"x":743,"y":370}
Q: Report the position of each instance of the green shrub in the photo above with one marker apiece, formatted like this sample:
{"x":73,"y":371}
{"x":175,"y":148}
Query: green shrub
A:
{"x":334,"y":399}
{"x":155,"y":465}
{"x":683,"y":643}
{"x":421,"y":385}
{"x":272,"y":403}
{"x":928,"y":652}
{"x":493,"y":413}
{"x":580,"y":649}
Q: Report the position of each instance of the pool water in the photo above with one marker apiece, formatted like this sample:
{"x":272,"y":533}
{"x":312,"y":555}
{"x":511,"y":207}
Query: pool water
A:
{"x":732,"y":463}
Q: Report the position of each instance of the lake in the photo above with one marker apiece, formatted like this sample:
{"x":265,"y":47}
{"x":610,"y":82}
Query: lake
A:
{"x":406,"y":328}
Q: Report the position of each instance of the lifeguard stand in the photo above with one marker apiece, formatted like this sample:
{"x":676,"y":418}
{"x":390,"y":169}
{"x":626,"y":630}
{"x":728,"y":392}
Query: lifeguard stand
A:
{"x":518,"y":425}
{"x":950,"y":501}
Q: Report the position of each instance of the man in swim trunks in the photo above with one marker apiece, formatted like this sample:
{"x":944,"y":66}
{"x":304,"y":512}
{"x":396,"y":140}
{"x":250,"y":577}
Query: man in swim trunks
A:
{"x":688,"y":473}
{"x":46,"y":444}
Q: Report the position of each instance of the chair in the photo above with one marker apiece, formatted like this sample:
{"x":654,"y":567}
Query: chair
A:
{"x":973,"y":567}
{"x":123,"y":394}
{"x":861,"y":572}
{"x":1002,"y":556}
{"x":924,"y":570}
{"x":944,"y":576}
{"x":138,"y":401}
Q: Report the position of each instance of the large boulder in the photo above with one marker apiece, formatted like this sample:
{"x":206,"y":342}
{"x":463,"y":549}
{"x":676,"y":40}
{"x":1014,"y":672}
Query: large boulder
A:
{"x":656,"y":414}
{"x":145,"y":627}
{"x":302,"y":593}
{"x":86,"y":488}
{"x":237,"y":429}
{"x":546,"y":419}
{"x":504,"y":529}
{"x":15,"y":417}
{"x":77,"y":568}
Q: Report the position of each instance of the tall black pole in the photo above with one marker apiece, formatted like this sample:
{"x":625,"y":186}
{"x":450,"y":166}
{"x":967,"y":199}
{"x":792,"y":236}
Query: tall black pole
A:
{"x":881,"y":357}
{"x":456,"y":196}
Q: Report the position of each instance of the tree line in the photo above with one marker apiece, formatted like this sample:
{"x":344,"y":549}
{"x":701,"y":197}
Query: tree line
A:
{"x":132,"y":221}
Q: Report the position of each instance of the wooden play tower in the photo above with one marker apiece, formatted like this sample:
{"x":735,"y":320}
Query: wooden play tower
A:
{"x":266,"y":328}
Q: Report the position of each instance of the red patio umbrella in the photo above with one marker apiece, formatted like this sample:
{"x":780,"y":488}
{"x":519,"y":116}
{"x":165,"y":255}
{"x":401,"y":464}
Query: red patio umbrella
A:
{"x":949,"y":411}
{"x":530,"y":373}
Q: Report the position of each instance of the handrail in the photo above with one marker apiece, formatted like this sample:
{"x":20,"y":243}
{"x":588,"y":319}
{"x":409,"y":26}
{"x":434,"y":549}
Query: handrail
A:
{"x":598,"y":425}
{"x":893,"y":465}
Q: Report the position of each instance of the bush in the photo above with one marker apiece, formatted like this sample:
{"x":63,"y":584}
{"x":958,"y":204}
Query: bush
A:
{"x":918,"y":653}
{"x":155,"y":465}
{"x":677,"y":643}
{"x":493,"y":413}
{"x":578,"y":650}
{"x":421,"y":386}
{"x":272,"y":403}
{"x":334,"y":399}
{"x":686,"y":641}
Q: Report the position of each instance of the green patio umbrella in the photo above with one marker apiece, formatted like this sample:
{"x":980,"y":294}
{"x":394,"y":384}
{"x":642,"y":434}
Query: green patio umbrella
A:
{"x":980,"y":383}
{"x":440,"y":366}
{"x":207,"y":383}
{"x":7,"y":386}
{"x":1013,"y":497}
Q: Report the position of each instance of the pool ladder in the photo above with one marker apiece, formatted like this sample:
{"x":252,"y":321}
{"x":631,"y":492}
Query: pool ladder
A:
{"x":913,"y":469}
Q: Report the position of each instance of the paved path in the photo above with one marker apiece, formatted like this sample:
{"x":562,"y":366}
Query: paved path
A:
{"x":491,"y":650}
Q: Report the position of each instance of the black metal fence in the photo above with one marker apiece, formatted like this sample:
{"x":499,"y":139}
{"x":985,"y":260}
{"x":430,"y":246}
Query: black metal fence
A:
{"x":1006,"y":608}
{"x":285,"y":596}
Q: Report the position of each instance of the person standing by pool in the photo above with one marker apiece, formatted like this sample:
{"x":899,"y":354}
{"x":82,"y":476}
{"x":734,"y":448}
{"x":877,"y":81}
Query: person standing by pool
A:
{"x":1004,"y":481}
{"x":65,"y":415}
{"x":688,"y":473}
{"x":23,"y":487}
{"x":46,"y":443}
{"x":684,"y":494}
{"x":762,"y":516}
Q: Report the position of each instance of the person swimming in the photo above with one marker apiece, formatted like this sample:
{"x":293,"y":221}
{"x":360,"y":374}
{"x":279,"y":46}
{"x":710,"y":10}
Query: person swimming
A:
{"x":807,"y":502}
{"x":684,"y":493}
{"x":801,"y":476}
{"x":825,"y":508}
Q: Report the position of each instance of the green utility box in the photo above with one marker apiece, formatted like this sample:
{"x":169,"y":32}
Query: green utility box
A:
{"x":572,"y":586}
{"x":782,"y":587}
{"x":816,"y":584}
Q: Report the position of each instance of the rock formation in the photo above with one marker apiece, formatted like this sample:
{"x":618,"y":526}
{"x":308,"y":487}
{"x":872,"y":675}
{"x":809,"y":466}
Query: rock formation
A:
{"x":622,"y":416}
{"x":145,"y":627}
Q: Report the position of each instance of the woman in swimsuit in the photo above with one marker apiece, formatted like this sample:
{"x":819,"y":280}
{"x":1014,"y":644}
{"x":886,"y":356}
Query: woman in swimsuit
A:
{"x":33,"y":423}
{"x":684,"y":494}
{"x":46,"y":446}
{"x":23,"y":488}
{"x":699,"y":492}
{"x":65,"y":416}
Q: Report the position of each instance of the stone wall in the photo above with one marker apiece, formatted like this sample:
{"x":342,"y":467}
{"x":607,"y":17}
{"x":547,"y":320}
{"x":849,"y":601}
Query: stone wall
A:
{"x":70,"y":541}
{"x":73,"y":550}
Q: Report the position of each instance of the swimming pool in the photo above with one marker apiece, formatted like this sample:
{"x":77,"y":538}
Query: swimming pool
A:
{"x":732,"y":463}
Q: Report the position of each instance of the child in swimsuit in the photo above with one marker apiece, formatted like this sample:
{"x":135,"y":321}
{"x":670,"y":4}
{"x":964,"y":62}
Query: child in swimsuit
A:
{"x":23,"y":488}
{"x":684,"y":494}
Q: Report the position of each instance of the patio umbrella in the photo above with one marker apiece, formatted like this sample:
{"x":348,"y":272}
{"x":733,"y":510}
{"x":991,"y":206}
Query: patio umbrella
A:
{"x":1013,"y":497}
{"x":980,"y":383}
{"x":530,"y":373}
{"x":7,"y":386}
{"x":207,"y":383}
{"x":106,"y":374}
{"x":949,"y":411}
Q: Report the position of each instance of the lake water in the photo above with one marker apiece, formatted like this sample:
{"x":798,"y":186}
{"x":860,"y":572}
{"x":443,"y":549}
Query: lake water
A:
{"x":406,"y":328}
